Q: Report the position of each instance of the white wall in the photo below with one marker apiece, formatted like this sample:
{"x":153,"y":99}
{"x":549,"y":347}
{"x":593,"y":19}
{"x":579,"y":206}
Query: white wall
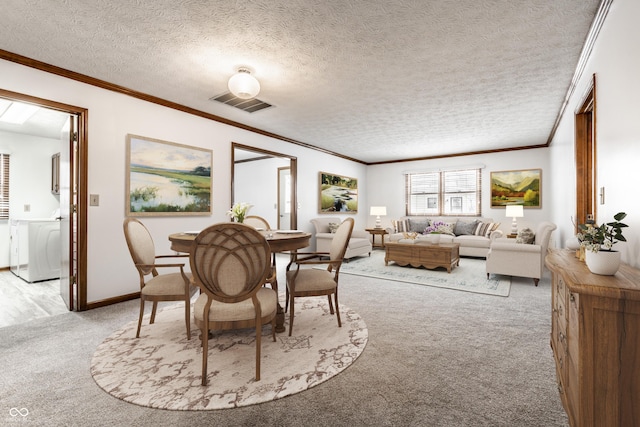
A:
{"x":29,"y":181}
{"x":615,"y":60}
{"x":386,"y":183}
{"x":110,"y":271}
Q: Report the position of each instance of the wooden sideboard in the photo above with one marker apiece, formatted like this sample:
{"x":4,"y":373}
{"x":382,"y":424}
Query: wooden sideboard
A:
{"x":595,"y":337}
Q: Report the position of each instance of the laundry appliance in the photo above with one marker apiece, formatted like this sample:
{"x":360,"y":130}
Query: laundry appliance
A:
{"x":35,"y":249}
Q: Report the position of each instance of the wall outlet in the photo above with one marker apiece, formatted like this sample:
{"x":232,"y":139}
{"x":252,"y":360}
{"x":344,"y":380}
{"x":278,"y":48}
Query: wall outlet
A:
{"x":94,"y":200}
{"x":27,"y":208}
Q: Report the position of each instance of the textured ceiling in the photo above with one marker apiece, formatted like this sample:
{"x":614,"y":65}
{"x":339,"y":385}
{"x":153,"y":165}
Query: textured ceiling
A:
{"x":373,"y":80}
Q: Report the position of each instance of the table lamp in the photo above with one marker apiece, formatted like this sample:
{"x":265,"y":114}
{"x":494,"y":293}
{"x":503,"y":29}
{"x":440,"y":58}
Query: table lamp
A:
{"x":514,"y":211}
{"x":378,"y":211}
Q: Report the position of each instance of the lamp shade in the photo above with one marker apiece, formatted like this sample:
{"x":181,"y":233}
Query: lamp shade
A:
{"x":514,"y":211}
{"x":378,"y":210}
{"x":244,"y":85}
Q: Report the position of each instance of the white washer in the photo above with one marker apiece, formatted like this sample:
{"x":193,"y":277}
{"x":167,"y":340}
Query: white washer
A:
{"x":35,"y":249}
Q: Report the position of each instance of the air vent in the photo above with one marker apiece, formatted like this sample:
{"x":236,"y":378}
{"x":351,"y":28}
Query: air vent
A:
{"x":249,"y":105}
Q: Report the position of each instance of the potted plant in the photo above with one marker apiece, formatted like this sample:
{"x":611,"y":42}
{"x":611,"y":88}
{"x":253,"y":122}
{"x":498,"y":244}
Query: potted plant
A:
{"x":239,"y":211}
{"x":598,"y":242}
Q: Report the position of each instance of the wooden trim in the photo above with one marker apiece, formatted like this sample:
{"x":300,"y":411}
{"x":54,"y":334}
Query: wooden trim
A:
{"x":83,"y":179}
{"x":585,"y":153}
{"x":111,"y":301}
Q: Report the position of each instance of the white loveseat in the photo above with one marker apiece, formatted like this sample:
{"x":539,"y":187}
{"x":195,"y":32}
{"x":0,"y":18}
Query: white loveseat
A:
{"x":465,"y":228}
{"x":359,"y":244}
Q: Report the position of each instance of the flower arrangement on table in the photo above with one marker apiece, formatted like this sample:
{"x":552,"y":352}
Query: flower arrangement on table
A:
{"x":439,"y":227}
{"x":238,"y":211}
{"x":602,"y":238}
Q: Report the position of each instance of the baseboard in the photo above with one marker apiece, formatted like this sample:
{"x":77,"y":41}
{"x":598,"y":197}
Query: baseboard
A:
{"x":111,"y":301}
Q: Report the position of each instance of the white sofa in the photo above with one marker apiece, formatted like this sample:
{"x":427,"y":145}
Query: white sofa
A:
{"x":470,"y":244}
{"x":359,"y":244}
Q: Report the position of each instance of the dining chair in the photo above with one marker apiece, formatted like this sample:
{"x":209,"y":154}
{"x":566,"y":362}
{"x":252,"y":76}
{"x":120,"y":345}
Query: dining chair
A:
{"x":310,"y":282}
{"x":230,"y":262}
{"x":174,"y":286}
{"x":259,"y":223}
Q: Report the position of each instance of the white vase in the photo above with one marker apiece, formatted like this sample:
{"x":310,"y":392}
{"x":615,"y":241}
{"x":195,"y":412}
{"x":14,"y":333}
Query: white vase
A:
{"x":433,"y":238}
{"x":605,"y":263}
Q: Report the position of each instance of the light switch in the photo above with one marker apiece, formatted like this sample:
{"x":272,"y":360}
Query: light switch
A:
{"x":94,"y":200}
{"x":27,"y":208}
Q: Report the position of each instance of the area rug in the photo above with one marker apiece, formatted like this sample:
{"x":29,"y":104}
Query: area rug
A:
{"x":469,"y":276}
{"x":162,"y":369}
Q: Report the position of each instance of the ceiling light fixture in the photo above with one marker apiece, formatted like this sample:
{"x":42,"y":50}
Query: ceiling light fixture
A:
{"x":243,"y":84}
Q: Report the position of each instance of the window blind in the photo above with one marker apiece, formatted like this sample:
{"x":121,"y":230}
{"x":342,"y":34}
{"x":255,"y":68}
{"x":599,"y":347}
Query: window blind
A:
{"x":449,"y":192}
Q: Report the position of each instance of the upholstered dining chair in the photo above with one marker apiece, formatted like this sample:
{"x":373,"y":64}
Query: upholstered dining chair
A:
{"x":175,"y":286}
{"x":230,"y":262}
{"x":310,"y":282}
{"x":257,"y":222}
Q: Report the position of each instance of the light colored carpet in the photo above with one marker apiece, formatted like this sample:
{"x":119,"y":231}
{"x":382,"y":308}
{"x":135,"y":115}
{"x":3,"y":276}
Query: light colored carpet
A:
{"x":162,"y":369}
{"x":469,"y":276}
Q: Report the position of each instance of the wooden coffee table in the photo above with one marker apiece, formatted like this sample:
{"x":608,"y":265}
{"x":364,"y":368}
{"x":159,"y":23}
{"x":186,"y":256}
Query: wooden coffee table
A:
{"x":425,"y":255}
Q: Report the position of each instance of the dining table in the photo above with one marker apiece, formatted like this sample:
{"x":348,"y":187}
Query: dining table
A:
{"x":280,"y":241}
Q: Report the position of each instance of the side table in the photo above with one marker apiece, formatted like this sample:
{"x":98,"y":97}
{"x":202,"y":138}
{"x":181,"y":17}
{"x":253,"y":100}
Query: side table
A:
{"x":377,"y":232}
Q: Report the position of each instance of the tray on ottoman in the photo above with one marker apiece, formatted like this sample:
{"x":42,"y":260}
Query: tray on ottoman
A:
{"x":425,"y":255}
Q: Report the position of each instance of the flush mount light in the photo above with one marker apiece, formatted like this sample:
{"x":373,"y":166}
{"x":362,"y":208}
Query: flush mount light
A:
{"x":243,"y":84}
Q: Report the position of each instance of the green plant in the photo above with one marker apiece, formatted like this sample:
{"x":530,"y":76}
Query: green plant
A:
{"x":603,"y":237}
{"x":238,"y":211}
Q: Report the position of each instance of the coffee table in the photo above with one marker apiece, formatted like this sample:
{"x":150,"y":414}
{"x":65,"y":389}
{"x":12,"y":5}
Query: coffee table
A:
{"x":425,"y":255}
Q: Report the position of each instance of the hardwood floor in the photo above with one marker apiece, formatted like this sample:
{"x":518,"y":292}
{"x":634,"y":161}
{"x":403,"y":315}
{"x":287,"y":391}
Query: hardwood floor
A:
{"x":21,"y":301}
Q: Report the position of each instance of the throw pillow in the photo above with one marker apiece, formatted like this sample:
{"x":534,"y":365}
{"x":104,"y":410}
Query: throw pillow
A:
{"x":525,"y":236}
{"x":333,"y":227}
{"x":440,"y":227}
{"x":400,"y":225}
{"x":485,"y":228}
{"x":418,"y":225}
{"x":465,"y":228}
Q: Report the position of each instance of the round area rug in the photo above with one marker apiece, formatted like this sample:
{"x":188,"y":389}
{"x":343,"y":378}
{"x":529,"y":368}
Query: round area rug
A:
{"x":162,"y":369}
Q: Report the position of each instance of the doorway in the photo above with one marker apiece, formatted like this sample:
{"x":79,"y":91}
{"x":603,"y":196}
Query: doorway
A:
{"x":71,"y":186}
{"x":585,"y":152}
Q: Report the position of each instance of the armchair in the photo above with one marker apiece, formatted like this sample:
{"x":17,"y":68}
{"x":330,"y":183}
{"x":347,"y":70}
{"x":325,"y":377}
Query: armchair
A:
{"x":359,"y":243}
{"x":520,"y":260}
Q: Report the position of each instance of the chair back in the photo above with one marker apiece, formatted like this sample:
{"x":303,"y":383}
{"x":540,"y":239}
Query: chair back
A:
{"x":140,"y":244}
{"x":257,"y":222}
{"x":230,"y":261}
{"x":341,"y":240}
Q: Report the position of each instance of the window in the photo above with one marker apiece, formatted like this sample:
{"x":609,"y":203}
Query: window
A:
{"x":4,"y":186}
{"x":454,"y":192}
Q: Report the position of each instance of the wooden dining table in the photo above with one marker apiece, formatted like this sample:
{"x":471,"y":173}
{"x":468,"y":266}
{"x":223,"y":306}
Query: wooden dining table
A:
{"x":279,"y":241}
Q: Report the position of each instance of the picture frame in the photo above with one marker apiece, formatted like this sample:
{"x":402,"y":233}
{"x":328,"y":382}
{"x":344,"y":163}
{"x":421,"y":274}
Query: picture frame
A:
{"x":166,"y":178}
{"x":519,"y":187}
{"x":337,"y":193}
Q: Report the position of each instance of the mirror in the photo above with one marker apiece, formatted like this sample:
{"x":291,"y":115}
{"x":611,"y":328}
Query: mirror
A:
{"x":267,"y":180}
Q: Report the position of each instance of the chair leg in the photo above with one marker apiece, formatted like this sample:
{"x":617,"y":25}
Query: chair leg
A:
{"x":335,"y":297}
{"x":153,"y":312}
{"x":258,"y":345}
{"x":187,"y":315}
{"x":291,"y":314}
{"x":273,"y":328}
{"x":487,"y":276}
{"x":535,"y":281}
{"x":204,"y":332}
{"x":140,"y":317}
{"x":286,"y":298}
{"x":330,"y":304}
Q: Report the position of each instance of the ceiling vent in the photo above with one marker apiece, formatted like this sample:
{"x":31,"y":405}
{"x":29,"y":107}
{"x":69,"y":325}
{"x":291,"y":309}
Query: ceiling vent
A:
{"x":249,"y":105}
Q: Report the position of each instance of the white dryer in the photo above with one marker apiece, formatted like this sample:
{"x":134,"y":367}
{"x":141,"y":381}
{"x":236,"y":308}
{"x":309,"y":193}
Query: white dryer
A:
{"x":35,"y":249}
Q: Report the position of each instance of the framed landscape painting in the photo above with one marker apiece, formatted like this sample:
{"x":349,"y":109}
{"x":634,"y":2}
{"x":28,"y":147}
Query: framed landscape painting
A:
{"x":165,"y":178}
{"x":337,"y":194}
{"x":517,"y":187}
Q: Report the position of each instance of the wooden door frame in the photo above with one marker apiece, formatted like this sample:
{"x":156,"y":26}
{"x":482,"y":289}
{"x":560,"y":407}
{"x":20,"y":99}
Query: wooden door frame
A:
{"x":82,"y":180}
{"x":585,"y":152}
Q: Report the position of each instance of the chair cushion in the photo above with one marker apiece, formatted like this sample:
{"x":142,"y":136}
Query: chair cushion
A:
{"x":311,"y":279}
{"x":465,"y":228}
{"x":165,"y":284}
{"x":244,"y":310}
{"x":358,"y":242}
